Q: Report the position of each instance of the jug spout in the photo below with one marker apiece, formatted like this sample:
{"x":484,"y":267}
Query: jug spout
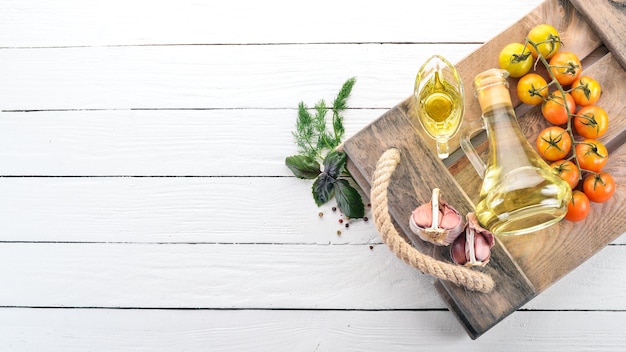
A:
{"x":520,"y":192}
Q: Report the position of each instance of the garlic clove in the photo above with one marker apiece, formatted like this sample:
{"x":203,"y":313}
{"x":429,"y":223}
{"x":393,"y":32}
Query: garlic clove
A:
{"x":436,"y":221}
{"x":473,"y":248}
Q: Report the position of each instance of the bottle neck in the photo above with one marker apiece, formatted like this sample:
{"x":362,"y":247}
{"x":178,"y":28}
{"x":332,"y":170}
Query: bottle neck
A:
{"x":492,"y":89}
{"x":496,"y":94}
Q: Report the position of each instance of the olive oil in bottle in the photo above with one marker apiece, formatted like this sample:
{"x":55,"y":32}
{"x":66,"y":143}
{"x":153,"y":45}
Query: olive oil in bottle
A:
{"x":520,"y":193}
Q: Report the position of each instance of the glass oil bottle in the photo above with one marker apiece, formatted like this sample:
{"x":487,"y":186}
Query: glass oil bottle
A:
{"x":520,"y":192}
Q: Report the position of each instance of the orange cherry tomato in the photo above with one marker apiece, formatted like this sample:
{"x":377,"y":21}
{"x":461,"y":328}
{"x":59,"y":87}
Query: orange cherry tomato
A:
{"x":578,"y":206}
{"x":566,"y":67}
{"x":599,"y":187}
{"x":591,"y":121}
{"x":554,"y":143}
{"x":586,"y":91}
{"x":532,"y":89}
{"x":554,"y":110}
{"x":567,"y":170}
{"x":591,"y":155}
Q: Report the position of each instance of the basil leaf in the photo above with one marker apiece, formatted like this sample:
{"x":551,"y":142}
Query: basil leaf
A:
{"x":334,"y":163}
{"x":349,"y":200}
{"x":323,"y":189}
{"x":303,"y":166}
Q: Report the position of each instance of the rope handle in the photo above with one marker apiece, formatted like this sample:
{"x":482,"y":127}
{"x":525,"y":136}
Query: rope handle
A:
{"x":460,"y":275}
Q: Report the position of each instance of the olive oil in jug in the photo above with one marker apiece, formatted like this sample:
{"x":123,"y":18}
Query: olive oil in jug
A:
{"x":520,"y":193}
{"x":439,"y":101}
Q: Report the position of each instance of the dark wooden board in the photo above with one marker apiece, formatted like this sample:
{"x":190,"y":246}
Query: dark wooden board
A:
{"x":412,"y":187}
{"x":607,"y":18}
{"x":522,"y":266}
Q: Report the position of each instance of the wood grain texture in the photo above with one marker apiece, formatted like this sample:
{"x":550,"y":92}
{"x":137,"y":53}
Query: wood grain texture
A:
{"x":238,"y":276}
{"x":541,"y":255}
{"x":272,"y":330}
{"x":258,"y":276}
{"x":572,"y":27}
{"x":117,"y":22}
{"x":417,"y":174}
{"x":548,"y":255}
{"x":154,"y":142}
{"x":608,"y":18}
{"x":172,"y":210}
{"x":107,"y":107}
{"x":124,"y":142}
{"x":211,"y":76}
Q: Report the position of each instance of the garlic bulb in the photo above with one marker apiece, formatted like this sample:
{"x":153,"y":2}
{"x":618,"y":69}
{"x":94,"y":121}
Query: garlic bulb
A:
{"x":474,"y":247}
{"x":436,"y":221}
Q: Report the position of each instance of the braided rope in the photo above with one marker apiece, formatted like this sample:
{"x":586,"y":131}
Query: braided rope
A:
{"x":472,"y":280}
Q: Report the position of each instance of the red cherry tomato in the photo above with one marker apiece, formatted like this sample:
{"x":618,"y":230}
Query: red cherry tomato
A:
{"x":578,"y":207}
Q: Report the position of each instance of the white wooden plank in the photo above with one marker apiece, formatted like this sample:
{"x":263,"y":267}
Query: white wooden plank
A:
{"x":209,"y":210}
{"x":27,"y":330}
{"x":248,"y":276}
{"x":216,"y":76}
{"x":118,"y":22}
{"x":210,"y":276}
{"x":178,"y":210}
{"x":161,"y":142}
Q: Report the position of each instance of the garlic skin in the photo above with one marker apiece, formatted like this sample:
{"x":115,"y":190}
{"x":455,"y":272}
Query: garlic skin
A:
{"x":474,"y":247}
{"x":436,"y":221}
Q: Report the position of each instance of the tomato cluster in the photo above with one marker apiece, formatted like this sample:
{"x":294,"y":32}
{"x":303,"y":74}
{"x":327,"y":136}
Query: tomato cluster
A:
{"x":568,"y":100}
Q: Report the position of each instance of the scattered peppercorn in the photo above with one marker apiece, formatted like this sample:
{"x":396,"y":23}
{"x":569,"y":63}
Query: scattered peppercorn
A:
{"x":320,"y":214}
{"x":365,"y":218}
{"x":371,"y":247}
{"x":347,"y":225}
{"x":338,"y":233}
{"x":334,"y":208}
{"x":340,"y":221}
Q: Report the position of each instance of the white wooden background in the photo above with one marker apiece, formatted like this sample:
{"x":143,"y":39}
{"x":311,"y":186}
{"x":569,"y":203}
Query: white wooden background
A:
{"x":145,"y":204}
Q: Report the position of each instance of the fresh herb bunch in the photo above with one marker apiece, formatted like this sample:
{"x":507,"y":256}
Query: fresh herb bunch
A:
{"x":317,"y":147}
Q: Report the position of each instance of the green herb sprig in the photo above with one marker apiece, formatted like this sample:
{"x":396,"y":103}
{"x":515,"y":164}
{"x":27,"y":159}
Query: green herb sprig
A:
{"x":317,"y":147}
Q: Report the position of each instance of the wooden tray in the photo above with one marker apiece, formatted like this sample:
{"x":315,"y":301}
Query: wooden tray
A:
{"x":521,"y":266}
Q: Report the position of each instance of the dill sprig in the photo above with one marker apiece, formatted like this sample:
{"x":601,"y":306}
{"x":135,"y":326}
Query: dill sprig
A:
{"x":317,"y":146}
{"x":311,"y":135}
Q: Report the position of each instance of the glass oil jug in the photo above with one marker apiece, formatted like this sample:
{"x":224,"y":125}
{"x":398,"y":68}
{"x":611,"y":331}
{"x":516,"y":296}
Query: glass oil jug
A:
{"x":439,"y":100}
{"x":520,"y":192}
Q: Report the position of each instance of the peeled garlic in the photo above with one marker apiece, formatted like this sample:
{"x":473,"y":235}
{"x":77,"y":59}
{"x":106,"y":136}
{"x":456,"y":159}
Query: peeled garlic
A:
{"x":474,"y":247}
{"x":436,"y":221}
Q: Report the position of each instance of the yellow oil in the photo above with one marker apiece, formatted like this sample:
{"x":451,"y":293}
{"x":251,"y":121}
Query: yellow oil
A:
{"x":518,"y":194}
{"x":440,"y":107}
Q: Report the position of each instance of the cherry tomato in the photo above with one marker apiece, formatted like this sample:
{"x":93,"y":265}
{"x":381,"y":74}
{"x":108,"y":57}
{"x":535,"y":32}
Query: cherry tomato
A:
{"x":516,"y":59}
{"x":532,"y":89}
{"x":591,"y":121}
{"x":546,"y":38}
{"x":599,"y":187}
{"x":578,"y":206}
{"x":554,"y":110}
{"x":586,"y":91}
{"x":568,"y":171}
{"x":554,"y":143}
{"x":566,"y":67}
{"x":591,"y":155}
